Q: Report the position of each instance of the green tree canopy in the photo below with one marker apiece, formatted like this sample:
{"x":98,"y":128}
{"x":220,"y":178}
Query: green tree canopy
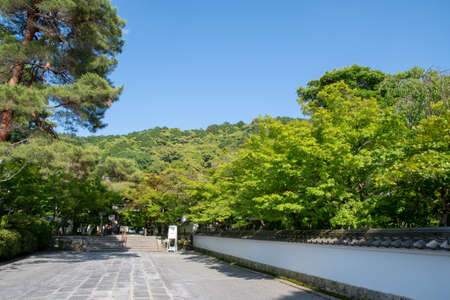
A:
{"x":374,"y":153}
{"x":415,"y":93}
{"x":364,"y":80}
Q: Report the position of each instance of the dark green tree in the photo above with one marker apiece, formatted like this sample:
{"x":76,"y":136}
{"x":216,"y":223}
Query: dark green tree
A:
{"x":55,"y":59}
{"x":363,"y":79}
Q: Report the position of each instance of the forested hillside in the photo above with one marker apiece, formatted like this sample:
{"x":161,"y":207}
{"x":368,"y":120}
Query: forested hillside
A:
{"x":159,"y":149}
{"x":155,"y":150}
{"x":161,"y":161}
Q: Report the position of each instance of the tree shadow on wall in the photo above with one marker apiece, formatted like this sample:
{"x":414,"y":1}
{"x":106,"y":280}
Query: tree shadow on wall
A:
{"x":235,"y":271}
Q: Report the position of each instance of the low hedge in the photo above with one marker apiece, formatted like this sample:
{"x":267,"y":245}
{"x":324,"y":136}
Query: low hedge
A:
{"x":28,"y":242}
{"x":21,"y":234}
{"x":10,"y":244}
{"x":40,"y":229}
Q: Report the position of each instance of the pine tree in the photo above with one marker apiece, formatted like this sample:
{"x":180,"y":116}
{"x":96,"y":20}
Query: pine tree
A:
{"x":55,"y":58}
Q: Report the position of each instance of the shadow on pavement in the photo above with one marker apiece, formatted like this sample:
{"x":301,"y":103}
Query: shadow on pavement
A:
{"x":223,"y":267}
{"x":244,"y":273}
{"x":281,"y":292}
{"x":62,"y":257}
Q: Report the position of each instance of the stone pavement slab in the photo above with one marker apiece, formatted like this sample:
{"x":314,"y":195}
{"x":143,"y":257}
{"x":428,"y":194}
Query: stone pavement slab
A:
{"x":147,"y":275}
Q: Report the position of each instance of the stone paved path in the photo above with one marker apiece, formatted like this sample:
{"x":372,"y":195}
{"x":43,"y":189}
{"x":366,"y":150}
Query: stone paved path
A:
{"x":66,"y":275}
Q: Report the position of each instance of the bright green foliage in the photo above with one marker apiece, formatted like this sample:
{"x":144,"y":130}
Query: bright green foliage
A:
{"x":375,"y":153}
{"x":56,"y":56}
{"x":419,"y":180}
{"x":209,"y":200}
{"x":158,"y":201}
{"x":359,"y":161}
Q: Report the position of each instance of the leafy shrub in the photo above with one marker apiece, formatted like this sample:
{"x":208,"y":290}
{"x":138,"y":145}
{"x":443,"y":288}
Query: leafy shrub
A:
{"x":40,"y":229}
{"x":10,"y":244}
{"x":43,"y":232}
{"x":28,"y":242}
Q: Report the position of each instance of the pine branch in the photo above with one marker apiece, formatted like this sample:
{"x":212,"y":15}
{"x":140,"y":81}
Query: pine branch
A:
{"x":15,"y":174}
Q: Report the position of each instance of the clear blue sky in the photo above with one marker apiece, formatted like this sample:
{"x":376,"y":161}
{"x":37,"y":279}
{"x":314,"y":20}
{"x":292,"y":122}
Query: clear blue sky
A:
{"x":192,"y":63}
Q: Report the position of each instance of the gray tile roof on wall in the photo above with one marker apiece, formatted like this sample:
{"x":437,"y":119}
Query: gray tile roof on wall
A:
{"x":436,"y":238}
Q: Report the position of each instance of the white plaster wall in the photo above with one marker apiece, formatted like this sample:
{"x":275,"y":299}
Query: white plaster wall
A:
{"x":418,"y":274}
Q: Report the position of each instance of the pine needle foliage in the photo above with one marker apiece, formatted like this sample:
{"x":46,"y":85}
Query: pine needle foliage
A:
{"x":55,"y":58}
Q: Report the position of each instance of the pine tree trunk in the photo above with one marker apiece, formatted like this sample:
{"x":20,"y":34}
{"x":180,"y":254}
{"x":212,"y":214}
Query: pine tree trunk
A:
{"x":6,"y":118}
{"x":5,"y":123}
